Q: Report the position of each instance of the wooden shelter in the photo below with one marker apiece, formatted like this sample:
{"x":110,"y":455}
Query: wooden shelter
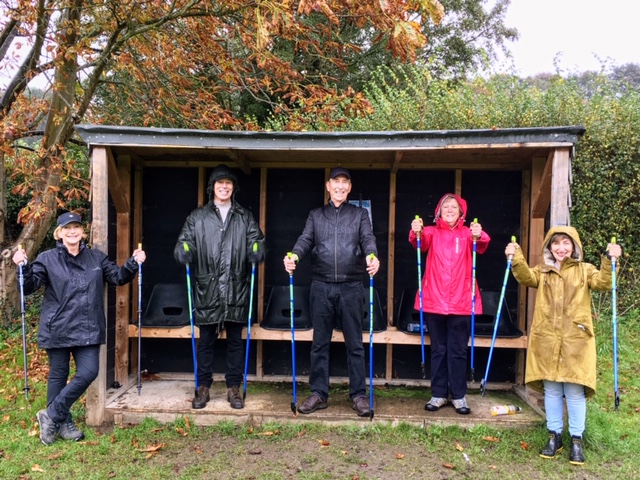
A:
{"x":145,"y":181}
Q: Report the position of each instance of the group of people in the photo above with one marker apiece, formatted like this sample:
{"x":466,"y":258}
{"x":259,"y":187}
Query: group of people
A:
{"x":221,"y":240}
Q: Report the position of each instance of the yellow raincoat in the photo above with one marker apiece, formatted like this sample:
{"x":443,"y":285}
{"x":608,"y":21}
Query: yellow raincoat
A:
{"x":562,"y":346}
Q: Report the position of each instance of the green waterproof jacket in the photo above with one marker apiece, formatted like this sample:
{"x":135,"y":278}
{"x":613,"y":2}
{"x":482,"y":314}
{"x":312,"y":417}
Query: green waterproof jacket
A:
{"x":562,"y":346}
{"x":220,"y":263}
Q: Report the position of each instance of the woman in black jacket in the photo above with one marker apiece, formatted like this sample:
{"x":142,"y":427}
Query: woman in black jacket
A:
{"x":72,"y":321}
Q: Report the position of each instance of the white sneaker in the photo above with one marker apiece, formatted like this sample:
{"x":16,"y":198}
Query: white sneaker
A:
{"x":461,"y":406}
{"x":435,"y":403}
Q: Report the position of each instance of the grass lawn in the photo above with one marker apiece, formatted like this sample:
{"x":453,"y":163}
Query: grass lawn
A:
{"x":309,"y":450}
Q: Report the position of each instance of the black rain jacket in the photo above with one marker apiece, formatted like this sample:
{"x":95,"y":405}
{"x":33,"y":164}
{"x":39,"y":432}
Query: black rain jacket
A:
{"x":339,"y":240}
{"x":220,"y":264}
{"x":73,"y":308}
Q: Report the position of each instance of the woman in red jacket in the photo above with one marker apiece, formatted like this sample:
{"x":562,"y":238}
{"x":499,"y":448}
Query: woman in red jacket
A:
{"x":446,"y":296}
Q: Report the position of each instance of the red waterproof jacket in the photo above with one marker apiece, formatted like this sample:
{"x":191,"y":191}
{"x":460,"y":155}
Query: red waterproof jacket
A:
{"x":446,"y":284}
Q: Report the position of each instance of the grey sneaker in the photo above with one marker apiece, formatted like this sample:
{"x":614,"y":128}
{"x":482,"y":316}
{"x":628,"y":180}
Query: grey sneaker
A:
{"x":461,"y":406}
{"x":69,"y":431}
{"x":48,"y":428}
{"x":435,"y":403}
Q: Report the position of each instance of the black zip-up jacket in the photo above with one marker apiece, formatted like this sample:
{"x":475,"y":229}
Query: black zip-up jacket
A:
{"x":220,"y":265}
{"x":339,"y":240}
{"x":72,"y":307}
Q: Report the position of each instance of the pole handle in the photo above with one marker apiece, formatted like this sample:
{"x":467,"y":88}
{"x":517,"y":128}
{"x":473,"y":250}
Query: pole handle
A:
{"x":255,"y":247}
{"x":613,"y":240}
{"x":185,"y":246}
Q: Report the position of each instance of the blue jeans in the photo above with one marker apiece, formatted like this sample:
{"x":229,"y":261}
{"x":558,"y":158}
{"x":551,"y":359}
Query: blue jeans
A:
{"x":60,"y":394}
{"x":576,"y":406}
{"x":234,"y":357}
{"x":449,"y":338}
{"x":329,"y":301}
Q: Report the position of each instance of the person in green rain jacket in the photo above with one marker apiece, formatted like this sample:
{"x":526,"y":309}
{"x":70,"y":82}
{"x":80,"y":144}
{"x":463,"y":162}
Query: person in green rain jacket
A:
{"x":561,"y":355}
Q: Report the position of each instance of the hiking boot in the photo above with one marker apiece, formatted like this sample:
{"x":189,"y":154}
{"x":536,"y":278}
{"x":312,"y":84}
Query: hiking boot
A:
{"x":553,"y":446}
{"x":48,"y":428}
{"x":313,"y":403}
{"x":361,"y":405}
{"x":576,"y":457}
{"x":461,"y":406}
{"x":201,"y":398}
{"x":69,"y":431}
{"x":435,"y":403}
{"x":235,"y":397}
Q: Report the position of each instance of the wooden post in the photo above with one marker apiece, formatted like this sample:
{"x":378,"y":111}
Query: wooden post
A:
{"x":560,"y":189}
{"x":97,"y":392}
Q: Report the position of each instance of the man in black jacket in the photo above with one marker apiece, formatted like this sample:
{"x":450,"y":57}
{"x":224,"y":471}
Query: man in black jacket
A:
{"x":220,"y":238}
{"x":340,"y":239}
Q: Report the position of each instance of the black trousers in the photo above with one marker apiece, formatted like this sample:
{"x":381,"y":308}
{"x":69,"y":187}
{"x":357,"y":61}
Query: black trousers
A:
{"x":328,"y":301}
{"x":234,"y":358}
{"x":449,"y":339}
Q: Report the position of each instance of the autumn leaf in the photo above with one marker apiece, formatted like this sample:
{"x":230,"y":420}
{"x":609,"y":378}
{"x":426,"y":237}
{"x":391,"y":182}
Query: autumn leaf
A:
{"x":524,"y":445}
{"x":37,"y":468}
{"x":151,"y":448}
{"x":399,"y":456}
{"x":491,"y":439}
{"x":450,"y":466}
{"x":255,"y":451}
{"x":269,"y":433}
{"x":324,"y":443}
{"x":458,"y":446}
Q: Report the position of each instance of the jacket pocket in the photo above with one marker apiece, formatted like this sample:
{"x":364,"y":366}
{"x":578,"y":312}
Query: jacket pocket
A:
{"x":207,"y":294}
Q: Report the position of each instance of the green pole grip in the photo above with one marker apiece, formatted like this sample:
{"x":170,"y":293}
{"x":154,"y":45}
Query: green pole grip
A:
{"x":255,"y":246}
{"x":513,"y":239}
{"x":185,"y":246}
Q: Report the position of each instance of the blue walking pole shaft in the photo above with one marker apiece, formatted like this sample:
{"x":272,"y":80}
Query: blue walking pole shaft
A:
{"x":139,"y":323}
{"x":24,"y":331}
{"x":614,"y":321}
{"x":419,"y":254}
{"x":473,"y":305}
{"x":246,"y":356}
{"x":294,"y":400}
{"x":483,"y":384}
{"x":371,"y":343}
{"x":193,"y":332}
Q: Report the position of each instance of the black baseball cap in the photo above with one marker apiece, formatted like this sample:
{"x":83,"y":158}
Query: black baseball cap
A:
{"x":67,"y":218}
{"x":339,"y":171}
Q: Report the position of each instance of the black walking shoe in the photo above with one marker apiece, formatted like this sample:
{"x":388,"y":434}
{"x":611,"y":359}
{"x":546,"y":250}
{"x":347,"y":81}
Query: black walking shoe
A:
{"x":361,"y":405}
{"x":48,"y":428}
{"x":235,"y":398}
{"x":553,"y":446}
{"x":576,"y":457}
{"x":201,"y":398}
{"x":313,"y":403}
{"x":69,"y":431}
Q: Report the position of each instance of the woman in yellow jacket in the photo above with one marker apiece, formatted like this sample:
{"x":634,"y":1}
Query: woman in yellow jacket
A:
{"x":561,"y":356}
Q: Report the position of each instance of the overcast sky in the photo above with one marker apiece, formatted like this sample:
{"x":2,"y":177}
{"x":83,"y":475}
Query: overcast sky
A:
{"x":581,"y":30}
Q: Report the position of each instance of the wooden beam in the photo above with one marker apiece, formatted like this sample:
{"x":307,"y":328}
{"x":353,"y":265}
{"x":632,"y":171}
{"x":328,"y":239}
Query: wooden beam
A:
{"x":525,"y":209}
{"x":96,"y":393}
{"x":202,"y":187}
{"x":262,"y":222}
{"x":391,"y":262}
{"x":458,"y":185}
{"x":116,"y":185}
{"x":560,"y":188}
{"x":396,"y":162}
{"x":542,"y":191}
{"x":533,"y":251}
{"x":123,"y":293}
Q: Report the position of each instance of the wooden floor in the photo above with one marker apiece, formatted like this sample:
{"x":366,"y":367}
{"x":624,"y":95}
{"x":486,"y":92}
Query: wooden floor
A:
{"x":166,"y":397}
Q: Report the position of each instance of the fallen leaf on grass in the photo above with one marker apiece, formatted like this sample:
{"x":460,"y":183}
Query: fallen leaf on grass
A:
{"x":158,"y":429}
{"x":6,"y":418}
{"x":198,"y":450}
{"x":301,"y":433}
{"x":524,"y":445}
{"x":37,"y":468}
{"x":269,"y":434}
{"x":150,"y":376}
{"x":491,"y":439}
{"x":111,"y":475}
{"x":250,"y":430}
{"x":450,"y":466}
{"x":458,"y":446}
{"x":151,"y":448}
{"x":91,"y":443}
{"x":181,"y":432}
{"x":22,"y":424}
{"x":112,"y":439}
{"x":149,"y":455}
{"x":324,"y":443}
{"x":54,"y":456}
{"x":33,"y":433}
{"x":399,"y":456}
{"x":255,"y":451}
{"x":493,"y":467}
{"x":344,"y":452}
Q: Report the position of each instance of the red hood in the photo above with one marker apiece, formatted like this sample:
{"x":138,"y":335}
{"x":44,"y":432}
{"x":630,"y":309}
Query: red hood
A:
{"x":463,"y":206}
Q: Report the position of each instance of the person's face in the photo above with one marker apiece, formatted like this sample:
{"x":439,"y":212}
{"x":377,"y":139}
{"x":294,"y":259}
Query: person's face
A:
{"x":561,"y":248}
{"x":450,"y":211}
{"x":71,"y":234}
{"x":339,"y":189}
{"x":222,"y":190}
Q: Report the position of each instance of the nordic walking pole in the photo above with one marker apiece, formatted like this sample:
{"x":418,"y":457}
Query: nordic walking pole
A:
{"x":294,"y":406}
{"x":483,"y":384}
{"x":246,"y":357}
{"x":614,"y":301}
{"x":419,"y":252}
{"x":193,"y":333}
{"x":24,"y":331}
{"x":473,"y":305}
{"x":371,"y":256}
{"x":139,"y":322}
